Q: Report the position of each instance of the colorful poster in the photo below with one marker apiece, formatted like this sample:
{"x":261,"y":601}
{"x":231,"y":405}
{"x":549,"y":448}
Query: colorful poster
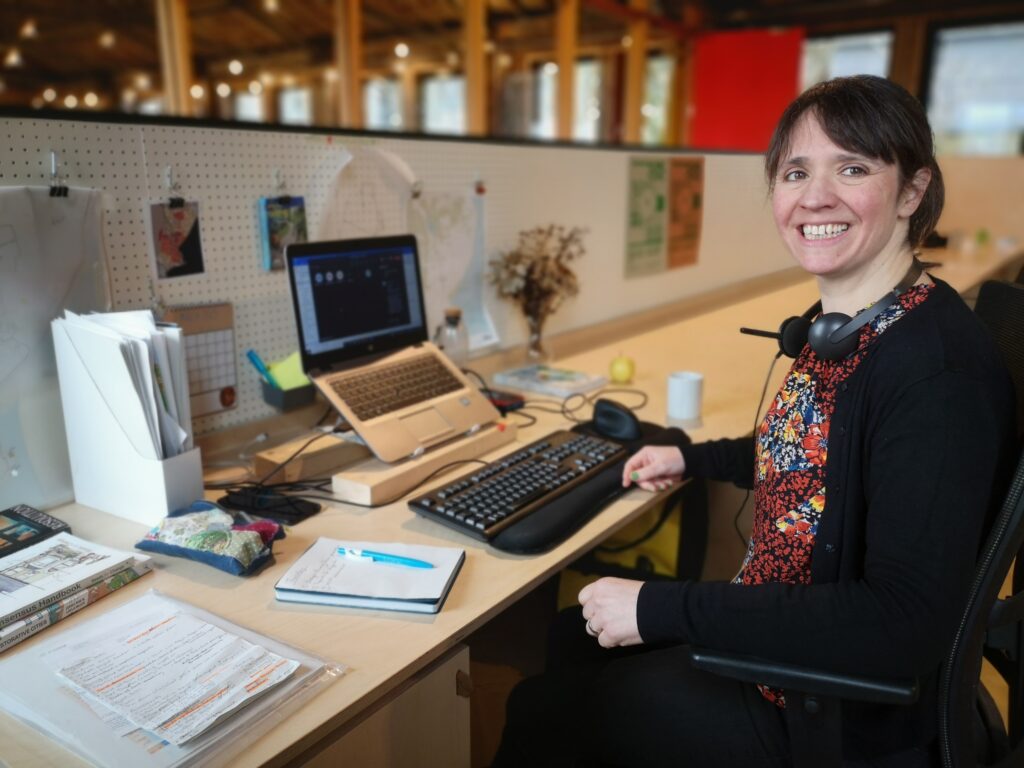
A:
{"x":685,"y":209}
{"x":645,"y":232}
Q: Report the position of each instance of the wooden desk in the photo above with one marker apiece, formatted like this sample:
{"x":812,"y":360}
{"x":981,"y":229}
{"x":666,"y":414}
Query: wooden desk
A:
{"x":384,"y":650}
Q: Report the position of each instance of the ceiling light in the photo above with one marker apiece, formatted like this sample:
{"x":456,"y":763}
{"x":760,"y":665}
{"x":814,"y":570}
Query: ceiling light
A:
{"x":401,"y":50}
{"x":235,"y":67}
{"x":13,"y":58}
{"x":223,"y":90}
{"x":107,"y":39}
{"x":28,"y":29}
{"x":271,"y":6}
{"x":71,"y":101}
{"x":197,"y":91}
{"x":143,"y":81}
{"x":255,"y":87}
{"x":91,"y":99}
{"x":49,"y":94}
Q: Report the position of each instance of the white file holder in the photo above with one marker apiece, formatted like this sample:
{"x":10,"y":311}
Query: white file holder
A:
{"x":110,"y":468}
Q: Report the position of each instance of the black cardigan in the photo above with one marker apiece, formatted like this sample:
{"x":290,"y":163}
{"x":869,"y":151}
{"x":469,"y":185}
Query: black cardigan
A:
{"x":923,"y":431}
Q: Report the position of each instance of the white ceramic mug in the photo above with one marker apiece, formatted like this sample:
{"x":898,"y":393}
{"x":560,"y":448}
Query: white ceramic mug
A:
{"x":685,"y":390}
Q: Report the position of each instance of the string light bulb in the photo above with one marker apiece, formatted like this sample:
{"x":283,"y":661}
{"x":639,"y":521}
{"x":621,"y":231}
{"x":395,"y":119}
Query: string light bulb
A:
{"x":13,"y":58}
{"x":28,"y":30}
{"x":271,"y":6}
{"x":71,"y":101}
{"x":235,"y":67}
{"x":91,"y":99}
{"x":401,"y":50}
{"x":197,"y":91}
{"x":223,"y":90}
{"x":49,"y":94}
{"x":107,"y":39}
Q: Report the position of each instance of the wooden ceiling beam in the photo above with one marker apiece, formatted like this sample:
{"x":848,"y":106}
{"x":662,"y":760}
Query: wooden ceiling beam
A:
{"x":632,"y":13}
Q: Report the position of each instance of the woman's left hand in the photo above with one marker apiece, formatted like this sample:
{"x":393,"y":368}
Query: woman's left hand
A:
{"x":609,"y":607}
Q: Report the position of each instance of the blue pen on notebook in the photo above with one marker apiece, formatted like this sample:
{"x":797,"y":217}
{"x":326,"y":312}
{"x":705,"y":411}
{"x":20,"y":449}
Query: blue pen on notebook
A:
{"x":383,"y":557}
{"x":257,"y":363}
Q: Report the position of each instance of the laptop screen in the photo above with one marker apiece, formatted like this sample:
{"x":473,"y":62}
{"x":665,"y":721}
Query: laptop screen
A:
{"x":355,"y":298}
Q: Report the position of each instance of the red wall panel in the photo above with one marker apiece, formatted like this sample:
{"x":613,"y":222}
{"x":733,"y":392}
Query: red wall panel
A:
{"x":742,"y":82}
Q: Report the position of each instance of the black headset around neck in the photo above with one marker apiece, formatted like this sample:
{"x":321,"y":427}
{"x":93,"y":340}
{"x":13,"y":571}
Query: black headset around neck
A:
{"x":833,"y":335}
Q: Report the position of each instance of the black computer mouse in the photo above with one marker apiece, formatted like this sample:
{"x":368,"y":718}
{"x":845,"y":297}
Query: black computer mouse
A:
{"x":615,"y":421}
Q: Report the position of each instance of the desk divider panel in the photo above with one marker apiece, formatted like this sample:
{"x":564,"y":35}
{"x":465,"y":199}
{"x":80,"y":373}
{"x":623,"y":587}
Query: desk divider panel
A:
{"x":226,"y":169}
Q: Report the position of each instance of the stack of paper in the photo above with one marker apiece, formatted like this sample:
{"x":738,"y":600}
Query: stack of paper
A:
{"x":44,"y":583}
{"x":158,"y":683}
{"x":138,"y":366}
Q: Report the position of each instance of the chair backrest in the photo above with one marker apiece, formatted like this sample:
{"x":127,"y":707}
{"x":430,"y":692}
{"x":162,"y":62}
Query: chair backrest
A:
{"x":987,"y":623}
{"x":1000,"y":306}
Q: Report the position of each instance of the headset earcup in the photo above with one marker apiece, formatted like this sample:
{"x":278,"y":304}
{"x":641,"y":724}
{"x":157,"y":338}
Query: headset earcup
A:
{"x":793,"y":335}
{"x":820,"y":331}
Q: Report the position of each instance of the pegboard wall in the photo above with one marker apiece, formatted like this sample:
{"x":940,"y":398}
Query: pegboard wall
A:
{"x":226,"y":170}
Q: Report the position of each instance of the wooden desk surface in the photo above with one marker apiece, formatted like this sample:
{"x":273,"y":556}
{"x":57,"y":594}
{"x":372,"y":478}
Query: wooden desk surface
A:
{"x":382,"y":649}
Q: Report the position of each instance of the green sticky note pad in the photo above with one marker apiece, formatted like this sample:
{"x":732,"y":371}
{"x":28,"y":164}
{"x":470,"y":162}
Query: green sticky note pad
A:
{"x":288,"y":372}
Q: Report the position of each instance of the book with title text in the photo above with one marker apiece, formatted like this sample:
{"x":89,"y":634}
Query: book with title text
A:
{"x":549,"y":380}
{"x":40,"y":576}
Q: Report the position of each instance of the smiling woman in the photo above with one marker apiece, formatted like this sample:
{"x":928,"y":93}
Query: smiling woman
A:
{"x":872,"y":472}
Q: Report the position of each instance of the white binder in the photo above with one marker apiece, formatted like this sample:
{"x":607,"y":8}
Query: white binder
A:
{"x":115,"y":466}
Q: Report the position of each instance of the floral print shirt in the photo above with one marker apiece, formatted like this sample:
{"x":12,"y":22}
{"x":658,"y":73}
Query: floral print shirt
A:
{"x":790,"y":455}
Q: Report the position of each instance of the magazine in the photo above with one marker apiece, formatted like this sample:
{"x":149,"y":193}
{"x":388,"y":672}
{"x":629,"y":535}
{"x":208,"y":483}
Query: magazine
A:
{"x":22,"y":526}
{"x":548,"y":380}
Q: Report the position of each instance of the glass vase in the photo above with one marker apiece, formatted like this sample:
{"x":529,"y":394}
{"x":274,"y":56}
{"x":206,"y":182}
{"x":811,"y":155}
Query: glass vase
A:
{"x":535,"y":350}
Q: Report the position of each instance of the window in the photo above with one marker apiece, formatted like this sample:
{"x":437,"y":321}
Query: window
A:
{"x":249,"y":106}
{"x":976,"y":93}
{"x":586,"y":103}
{"x":443,"y":100}
{"x":657,"y":98}
{"x":586,"y":118}
{"x":545,"y":118}
{"x":296,"y":106}
{"x":382,"y":104}
{"x":845,"y":55}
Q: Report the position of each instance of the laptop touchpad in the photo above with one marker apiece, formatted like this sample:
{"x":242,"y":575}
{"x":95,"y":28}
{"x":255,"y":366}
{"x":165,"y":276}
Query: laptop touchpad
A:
{"x":426,"y":425}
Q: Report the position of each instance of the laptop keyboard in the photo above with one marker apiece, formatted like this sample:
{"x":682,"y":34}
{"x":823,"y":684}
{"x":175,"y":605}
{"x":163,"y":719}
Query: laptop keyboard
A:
{"x":386,"y":388}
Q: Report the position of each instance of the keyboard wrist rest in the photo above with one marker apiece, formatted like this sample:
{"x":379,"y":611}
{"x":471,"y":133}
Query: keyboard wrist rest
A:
{"x":554,"y":522}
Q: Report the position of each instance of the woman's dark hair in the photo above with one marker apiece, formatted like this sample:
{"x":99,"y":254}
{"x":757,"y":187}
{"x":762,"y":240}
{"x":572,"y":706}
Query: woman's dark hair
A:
{"x":876,"y":118}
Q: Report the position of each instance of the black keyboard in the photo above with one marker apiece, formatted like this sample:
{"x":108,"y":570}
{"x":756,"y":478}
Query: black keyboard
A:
{"x":506,"y":492}
{"x":387,"y":388}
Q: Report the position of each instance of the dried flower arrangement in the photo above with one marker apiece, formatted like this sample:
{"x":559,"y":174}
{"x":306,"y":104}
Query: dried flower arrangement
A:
{"x":536,"y":275}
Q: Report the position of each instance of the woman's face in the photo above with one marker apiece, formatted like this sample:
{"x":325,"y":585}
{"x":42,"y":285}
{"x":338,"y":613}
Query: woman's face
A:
{"x":836,"y":210}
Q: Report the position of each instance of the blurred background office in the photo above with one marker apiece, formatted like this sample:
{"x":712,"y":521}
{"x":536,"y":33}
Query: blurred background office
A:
{"x":672,"y":73}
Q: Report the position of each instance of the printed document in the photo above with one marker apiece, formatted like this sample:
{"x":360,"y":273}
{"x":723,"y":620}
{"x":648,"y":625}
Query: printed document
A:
{"x":171,"y":672}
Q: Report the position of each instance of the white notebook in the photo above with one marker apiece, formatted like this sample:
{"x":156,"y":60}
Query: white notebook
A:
{"x":322,"y":575}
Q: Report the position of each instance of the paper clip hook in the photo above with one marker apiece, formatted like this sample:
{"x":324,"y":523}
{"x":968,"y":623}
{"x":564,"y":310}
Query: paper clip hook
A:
{"x":57,"y":186}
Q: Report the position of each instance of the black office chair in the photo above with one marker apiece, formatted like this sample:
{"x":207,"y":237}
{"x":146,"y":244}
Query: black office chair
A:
{"x":971,"y":731}
{"x":1000,"y":306}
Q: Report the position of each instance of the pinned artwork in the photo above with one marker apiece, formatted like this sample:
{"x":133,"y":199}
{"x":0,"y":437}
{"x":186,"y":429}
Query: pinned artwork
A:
{"x":282,"y":223}
{"x":174,"y":239}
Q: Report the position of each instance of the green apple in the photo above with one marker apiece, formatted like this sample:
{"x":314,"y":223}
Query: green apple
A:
{"x":622,"y":369}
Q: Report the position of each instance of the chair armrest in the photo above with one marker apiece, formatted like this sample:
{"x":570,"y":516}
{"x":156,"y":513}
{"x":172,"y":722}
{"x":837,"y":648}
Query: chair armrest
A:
{"x":805,"y":679}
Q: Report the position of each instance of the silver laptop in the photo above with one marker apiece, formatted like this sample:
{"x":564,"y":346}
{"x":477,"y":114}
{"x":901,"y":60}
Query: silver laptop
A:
{"x":363,"y":339}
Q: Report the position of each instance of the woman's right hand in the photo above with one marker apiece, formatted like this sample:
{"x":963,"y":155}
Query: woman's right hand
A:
{"x":654,"y":467}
